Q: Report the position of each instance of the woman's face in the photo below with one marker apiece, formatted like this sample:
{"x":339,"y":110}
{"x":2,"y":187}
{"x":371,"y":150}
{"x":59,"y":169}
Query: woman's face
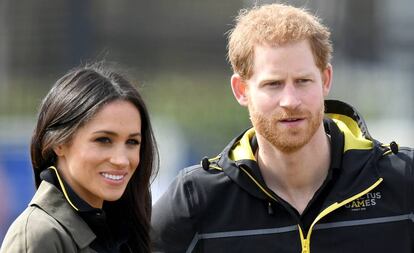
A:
{"x":103,"y":154}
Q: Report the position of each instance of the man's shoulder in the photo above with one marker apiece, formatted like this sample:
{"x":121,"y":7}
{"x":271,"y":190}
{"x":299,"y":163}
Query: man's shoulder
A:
{"x":402,"y":153}
{"x":407,"y":150}
{"x":400,"y":162}
{"x":195,"y":169}
{"x":199,"y":183}
{"x":200,"y":173}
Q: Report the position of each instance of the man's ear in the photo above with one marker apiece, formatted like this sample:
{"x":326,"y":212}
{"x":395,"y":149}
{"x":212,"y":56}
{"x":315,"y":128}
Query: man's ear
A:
{"x":327,"y":76}
{"x":239,"y":87}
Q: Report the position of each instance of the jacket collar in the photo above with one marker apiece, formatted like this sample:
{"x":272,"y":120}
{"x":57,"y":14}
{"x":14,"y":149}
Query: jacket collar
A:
{"x":52,"y":175}
{"x":351,"y":124}
{"x":51,"y":200}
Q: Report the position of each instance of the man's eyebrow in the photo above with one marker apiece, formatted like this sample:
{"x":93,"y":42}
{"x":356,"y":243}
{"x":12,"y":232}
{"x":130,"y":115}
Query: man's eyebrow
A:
{"x":305,"y":73}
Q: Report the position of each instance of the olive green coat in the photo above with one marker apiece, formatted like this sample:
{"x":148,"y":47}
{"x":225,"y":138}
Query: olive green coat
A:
{"x":49,"y":224}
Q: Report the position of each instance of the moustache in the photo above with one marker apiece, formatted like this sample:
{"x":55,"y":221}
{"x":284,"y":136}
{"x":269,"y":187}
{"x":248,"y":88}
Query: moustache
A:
{"x":290,"y":114}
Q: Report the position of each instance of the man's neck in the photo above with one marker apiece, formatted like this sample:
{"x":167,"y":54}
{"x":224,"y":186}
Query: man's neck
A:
{"x":295,"y":176}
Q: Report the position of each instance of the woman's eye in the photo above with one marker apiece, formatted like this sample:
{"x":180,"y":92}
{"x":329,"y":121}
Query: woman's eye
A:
{"x":133,"y":142}
{"x":103,"y":140}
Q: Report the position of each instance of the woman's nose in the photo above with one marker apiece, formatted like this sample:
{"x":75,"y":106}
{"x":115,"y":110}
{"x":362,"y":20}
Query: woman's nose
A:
{"x":119,"y":157}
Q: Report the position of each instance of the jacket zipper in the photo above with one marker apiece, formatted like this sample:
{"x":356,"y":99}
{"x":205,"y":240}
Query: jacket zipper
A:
{"x":306,"y":240}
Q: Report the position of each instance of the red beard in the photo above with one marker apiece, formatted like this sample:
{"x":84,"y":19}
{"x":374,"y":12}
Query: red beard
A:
{"x":284,"y":138}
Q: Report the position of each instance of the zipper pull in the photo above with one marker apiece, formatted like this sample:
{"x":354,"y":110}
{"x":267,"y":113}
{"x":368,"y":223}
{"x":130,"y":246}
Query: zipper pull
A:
{"x":270,"y":208}
{"x":305,"y":246}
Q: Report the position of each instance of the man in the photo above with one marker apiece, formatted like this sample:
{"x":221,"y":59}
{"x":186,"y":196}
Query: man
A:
{"x":295,"y":182}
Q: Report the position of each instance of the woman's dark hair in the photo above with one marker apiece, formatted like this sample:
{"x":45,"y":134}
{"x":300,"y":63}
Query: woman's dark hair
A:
{"x":72,"y":102}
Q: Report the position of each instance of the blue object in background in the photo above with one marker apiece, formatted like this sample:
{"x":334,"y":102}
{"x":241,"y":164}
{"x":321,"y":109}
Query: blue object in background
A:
{"x":16,"y":183}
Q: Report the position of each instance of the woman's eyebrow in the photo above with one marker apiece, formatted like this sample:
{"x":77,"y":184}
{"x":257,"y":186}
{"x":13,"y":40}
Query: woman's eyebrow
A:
{"x":115,"y":134}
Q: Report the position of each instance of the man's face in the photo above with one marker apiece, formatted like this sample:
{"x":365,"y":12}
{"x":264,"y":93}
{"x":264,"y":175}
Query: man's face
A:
{"x":285,"y":94}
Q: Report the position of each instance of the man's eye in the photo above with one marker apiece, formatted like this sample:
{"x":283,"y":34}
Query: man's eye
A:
{"x":275,"y":83}
{"x":304,"y":80}
{"x":103,"y":140}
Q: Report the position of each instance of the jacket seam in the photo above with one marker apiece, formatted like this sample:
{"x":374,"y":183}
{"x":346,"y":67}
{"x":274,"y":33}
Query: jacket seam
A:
{"x":25,"y":229}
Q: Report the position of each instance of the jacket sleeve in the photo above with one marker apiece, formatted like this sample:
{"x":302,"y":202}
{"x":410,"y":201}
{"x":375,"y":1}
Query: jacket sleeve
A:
{"x":174,"y":216}
{"x":34,"y":231}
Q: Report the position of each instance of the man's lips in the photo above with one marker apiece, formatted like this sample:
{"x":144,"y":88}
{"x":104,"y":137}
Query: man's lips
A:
{"x":291,"y":122}
{"x":291,"y":119}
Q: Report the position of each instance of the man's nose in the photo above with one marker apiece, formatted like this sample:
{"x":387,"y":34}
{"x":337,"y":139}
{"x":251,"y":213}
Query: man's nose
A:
{"x":290,"y":97}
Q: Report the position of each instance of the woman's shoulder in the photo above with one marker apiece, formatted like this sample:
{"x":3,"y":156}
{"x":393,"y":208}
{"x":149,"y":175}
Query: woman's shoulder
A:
{"x":41,"y":222}
{"x":36,"y":231}
{"x":49,"y":224}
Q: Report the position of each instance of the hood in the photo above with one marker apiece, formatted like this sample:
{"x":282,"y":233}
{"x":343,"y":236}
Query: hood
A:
{"x":351,"y":124}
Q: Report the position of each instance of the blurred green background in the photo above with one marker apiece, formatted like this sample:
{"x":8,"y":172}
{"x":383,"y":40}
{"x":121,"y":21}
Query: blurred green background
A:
{"x":176,"y":52}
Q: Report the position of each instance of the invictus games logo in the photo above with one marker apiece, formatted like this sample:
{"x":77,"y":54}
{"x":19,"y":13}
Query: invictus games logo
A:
{"x":361,"y":204}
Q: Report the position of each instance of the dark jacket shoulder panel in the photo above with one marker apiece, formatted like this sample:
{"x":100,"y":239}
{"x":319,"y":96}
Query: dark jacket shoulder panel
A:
{"x":398,"y":170}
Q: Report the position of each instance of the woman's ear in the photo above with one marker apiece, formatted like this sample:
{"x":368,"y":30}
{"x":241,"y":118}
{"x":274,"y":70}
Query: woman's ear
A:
{"x":58,"y":150}
{"x":239,"y":87}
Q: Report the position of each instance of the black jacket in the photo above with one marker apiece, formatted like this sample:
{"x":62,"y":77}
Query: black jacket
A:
{"x":223,"y":205}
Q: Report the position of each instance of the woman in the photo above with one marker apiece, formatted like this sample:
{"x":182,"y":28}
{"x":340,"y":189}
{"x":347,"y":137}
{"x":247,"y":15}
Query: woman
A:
{"x":93,"y":154}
